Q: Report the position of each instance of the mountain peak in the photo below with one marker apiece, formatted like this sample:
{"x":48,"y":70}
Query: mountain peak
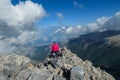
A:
{"x":66,"y":67}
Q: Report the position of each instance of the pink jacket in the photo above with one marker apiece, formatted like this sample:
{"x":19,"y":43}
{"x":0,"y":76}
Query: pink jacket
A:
{"x":55,"y":47}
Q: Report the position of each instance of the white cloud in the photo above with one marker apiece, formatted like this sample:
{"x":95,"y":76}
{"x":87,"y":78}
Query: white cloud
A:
{"x":75,"y":29}
{"x":63,"y":27}
{"x":113,"y":23}
{"x":77,"y":4}
{"x":57,"y":31}
{"x":92,"y":27}
{"x":27,"y":36}
{"x":63,"y":33}
{"x":117,"y":14}
{"x":21,"y":14}
{"x":69,"y":30}
{"x":59,"y":15}
{"x":101,"y":24}
{"x":102,"y":20}
{"x":17,"y":24}
{"x":5,"y":47}
{"x":98,"y":25}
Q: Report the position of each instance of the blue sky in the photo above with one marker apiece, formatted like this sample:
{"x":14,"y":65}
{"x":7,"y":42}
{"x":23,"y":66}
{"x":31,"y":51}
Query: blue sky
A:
{"x":75,"y":12}
{"x":72,"y":18}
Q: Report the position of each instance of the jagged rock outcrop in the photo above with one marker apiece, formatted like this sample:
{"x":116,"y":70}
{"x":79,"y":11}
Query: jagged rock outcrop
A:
{"x":12,"y":65}
{"x":67,"y":67}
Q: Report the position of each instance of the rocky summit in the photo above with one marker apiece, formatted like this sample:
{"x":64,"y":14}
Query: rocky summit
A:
{"x":65,"y":67}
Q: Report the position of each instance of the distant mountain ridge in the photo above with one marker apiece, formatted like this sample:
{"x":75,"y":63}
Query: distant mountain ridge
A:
{"x":102,"y":48}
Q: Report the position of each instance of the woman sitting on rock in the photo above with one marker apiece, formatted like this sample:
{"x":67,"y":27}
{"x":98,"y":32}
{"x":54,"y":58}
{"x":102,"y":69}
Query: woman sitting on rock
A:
{"x":55,"y":49}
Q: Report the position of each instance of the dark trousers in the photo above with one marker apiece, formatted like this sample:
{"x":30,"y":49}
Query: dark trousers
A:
{"x":55,"y":54}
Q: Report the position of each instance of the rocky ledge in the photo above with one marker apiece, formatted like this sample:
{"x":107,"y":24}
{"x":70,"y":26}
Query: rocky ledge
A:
{"x":66,"y":67}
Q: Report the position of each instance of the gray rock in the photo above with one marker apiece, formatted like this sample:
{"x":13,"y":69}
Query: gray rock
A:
{"x":57,"y":77}
{"x":77,"y":73}
{"x":11,"y":65}
{"x":5,"y":78}
{"x":39,"y":77}
{"x":34,"y":74}
{"x":53,"y":63}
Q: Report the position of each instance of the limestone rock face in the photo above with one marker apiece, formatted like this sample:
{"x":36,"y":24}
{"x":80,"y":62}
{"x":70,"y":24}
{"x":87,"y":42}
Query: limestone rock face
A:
{"x":58,"y":77}
{"x":77,"y":73}
{"x":11,"y":65}
{"x":66,"y":67}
